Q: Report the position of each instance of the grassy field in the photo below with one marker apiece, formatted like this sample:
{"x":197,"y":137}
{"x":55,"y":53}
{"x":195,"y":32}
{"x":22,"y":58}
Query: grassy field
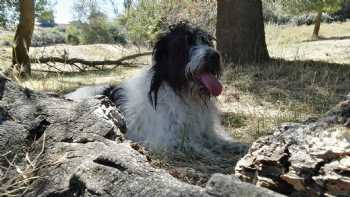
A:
{"x":304,"y":80}
{"x":293,"y":42}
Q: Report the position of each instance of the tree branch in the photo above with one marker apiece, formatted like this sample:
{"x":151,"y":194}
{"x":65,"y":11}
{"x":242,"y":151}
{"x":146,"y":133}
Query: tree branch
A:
{"x":73,"y":61}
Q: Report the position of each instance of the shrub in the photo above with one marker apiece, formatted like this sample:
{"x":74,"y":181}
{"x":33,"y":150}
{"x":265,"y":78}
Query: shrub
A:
{"x":96,"y":30}
{"x":48,"y":36}
{"x":72,"y":35}
{"x":47,"y":19}
{"x":6,"y":40}
{"x":117,"y":36}
{"x":144,"y":20}
{"x":275,"y":11}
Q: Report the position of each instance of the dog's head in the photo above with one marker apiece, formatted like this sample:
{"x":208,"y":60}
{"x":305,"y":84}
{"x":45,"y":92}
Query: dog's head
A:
{"x":185,"y":58}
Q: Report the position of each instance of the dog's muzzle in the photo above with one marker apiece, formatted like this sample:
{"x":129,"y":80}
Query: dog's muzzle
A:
{"x":205,"y":67}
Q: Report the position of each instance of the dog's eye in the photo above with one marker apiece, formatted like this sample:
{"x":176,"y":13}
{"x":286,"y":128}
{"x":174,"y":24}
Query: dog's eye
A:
{"x":191,"y":40}
{"x":205,"y":40}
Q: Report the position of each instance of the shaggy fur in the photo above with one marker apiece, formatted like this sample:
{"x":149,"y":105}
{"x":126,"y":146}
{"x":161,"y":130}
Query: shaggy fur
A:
{"x":171,"y":105}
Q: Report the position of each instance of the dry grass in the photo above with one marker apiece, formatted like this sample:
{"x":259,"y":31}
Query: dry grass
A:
{"x":284,"y":35}
{"x":63,"y":83}
{"x":316,"y":77}
{"x":260,"y":97}
{"x":293,"y":42}
{"x":18,"y":174}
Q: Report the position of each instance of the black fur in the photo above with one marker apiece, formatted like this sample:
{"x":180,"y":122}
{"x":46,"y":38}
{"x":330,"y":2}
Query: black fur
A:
{"x":116,"y":94}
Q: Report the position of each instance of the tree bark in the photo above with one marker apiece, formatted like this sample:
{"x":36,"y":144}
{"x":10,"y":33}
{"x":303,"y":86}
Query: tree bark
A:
{"x":23,"y":37}
{"x":303,"y":159}
{"x":240,"y":31}
{"x":315,"y":34}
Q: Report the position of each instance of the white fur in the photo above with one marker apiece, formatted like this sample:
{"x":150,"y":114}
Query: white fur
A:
{"x":197,"y":56}
{"x":86,"y":92}
{"x":188,"y":122}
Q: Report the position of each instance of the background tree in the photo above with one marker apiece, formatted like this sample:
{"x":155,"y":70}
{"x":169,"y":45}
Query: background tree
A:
{"x":240,"y":31}
{"x":92,"y":26}
{"x":127,"y":5}
{"x":7,"y":12}
{"x":44,"y":12}
{"x":145,"y":19}
{"x":312,"y":6}
{"x":23,"y":37}
{"x":47,"y":19}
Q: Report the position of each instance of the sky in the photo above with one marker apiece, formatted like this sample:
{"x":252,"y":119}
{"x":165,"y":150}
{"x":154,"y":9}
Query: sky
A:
{"x":64,"y":9}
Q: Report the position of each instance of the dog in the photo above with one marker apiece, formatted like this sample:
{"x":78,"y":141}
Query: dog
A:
{"x":171,"y":105}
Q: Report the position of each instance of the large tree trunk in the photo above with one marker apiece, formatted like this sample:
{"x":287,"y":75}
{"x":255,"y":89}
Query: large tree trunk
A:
{"x":240,"y":31}
{"x":23,"y":37}
{"x":315,"y":34}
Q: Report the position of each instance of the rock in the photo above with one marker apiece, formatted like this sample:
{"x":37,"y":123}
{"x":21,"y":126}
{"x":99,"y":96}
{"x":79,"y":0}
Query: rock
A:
{"x":51,"y":147}
{"x":223,"y":185}
{"x":308,"y":159}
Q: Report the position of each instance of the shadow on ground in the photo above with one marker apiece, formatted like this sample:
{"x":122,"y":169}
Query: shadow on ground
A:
{"x":313,"y":84}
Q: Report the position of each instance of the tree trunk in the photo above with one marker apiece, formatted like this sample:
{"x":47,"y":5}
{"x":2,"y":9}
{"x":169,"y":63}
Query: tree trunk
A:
{"x":315,"y":34}
{"x":23,"y":37}
{"x":240,"y":31}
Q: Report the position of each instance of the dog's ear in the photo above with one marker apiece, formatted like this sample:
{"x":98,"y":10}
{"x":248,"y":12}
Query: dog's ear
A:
{"x":170,"y":57}
{"x":160,"y":56}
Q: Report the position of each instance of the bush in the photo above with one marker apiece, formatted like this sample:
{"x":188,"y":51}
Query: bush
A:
{"x":72,"y":35}
{"x":143,"y":22}
{"x":275,"y":13}
{"x":116,"y":34}
{"x":146,"y":19}
{"x":344,"y":13}
{"x":6,"y":40}
{"x":96,"y":30}
{"x":46,"y":19}
{"x":47,"y":36}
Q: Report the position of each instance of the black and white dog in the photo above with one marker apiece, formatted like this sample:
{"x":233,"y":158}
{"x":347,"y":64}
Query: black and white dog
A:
{"x":171,"y":105}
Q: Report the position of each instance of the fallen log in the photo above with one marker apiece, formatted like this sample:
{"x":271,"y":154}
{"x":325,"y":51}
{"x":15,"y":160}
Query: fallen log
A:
{"x":91,"y":63}
{"x":303,"y":159}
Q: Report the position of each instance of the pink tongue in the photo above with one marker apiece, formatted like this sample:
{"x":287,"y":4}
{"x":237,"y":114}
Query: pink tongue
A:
{"x":211,"y":82}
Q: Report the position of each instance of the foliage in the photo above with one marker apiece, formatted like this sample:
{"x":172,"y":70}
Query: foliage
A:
{"x":48,"y":36}
{"x":142,"y":22}
{"x":7,"y":9}
{"x":44,"y":12}
{"x":309,"y":6}
{"x":144,"y":19}
{"x":279,"y":12}
{"x":92,"y":25}
{"x":47,"y":19}
{"x":344,"y":13}
{"x":73,"y":33}
{"x":96,"y":30}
